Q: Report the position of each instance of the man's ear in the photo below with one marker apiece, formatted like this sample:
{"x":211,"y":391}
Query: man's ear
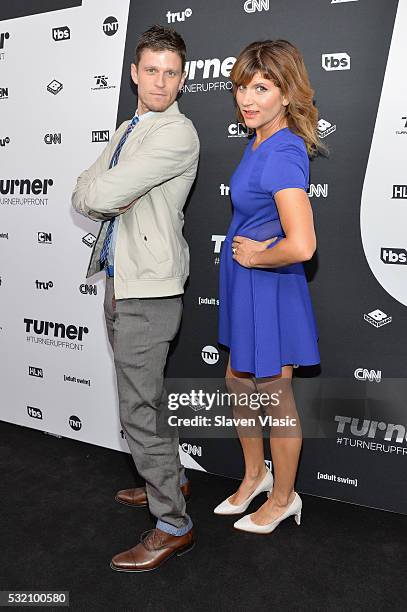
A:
{"x":181,"y":84}
{"x":134,"y":74}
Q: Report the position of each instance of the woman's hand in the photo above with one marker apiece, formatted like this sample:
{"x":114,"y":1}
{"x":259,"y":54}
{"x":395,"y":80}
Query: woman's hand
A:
{"x":243,"y":249}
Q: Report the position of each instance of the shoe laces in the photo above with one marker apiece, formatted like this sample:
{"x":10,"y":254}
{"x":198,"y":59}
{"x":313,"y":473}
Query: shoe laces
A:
{"x":152,"y":539}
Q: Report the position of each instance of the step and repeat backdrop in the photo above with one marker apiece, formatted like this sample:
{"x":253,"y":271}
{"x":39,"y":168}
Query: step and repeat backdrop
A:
{"x":64,"y":87}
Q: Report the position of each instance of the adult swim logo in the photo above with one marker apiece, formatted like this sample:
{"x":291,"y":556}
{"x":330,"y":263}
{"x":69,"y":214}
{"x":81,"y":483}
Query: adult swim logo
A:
{"x":101,"y":83}
{"x":24,"y":187}
{"x":335,"y":61}
{"x":110,"y":26}
{"x":62,"y":33}
{"x":393,"y":255}
{"x":209,"y":72}
{"x":58,"y":335}
{"x":180,"y":16}
{"x":251,"y":6}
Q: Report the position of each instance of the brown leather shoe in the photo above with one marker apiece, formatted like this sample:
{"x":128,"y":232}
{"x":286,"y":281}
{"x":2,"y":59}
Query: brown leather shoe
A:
{"x":138,"y":497}
{"x":155,"y":548}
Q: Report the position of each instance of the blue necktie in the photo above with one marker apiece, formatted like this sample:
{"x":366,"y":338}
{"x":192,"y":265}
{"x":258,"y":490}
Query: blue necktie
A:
{"x":106,"y":244}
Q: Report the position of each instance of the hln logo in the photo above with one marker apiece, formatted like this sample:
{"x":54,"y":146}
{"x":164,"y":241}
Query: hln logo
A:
{"x":399,"y":192}
{"x":370,"y":375}
{"x":53,"y":138}
{"x":34,"y":413}
{"x":37,"y":372}
{"x":250,"y":6}
{"x":100,"y":136}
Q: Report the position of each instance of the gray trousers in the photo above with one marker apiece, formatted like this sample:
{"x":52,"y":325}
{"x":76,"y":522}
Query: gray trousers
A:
{"x":140,"y":331}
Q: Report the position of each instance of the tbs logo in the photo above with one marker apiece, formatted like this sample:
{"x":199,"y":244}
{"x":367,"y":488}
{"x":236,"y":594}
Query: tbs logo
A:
{"x":392,"y":255}
{"x":62,"y":33}
{"x":335,"y":61}
{"x":34,"y":413}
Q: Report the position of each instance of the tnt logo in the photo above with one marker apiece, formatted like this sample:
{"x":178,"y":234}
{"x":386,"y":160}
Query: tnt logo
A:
{"x":44,"y":238}
{"x":53,"y":138}
{"x":110,"y":26}
{"x":34,"y":413}
{"x":62,"y":33}
{"x":88,"y":289}
{"x":250,"y":6}
{"x":172,"y":17}
{"x":335,"y":61}
{"x":75,"y":423}
{"x":377,"y":318}
{"x":210,"y":354}
{"x":237,"y":130}
{"x":217,"y":239}
{"x":391,"y":255}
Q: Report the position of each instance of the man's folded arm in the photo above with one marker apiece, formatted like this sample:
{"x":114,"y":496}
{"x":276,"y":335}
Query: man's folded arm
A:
{"x":164,"y":154}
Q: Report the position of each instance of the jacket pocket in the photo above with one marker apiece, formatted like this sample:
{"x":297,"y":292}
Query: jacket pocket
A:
{"x":150,"y":235}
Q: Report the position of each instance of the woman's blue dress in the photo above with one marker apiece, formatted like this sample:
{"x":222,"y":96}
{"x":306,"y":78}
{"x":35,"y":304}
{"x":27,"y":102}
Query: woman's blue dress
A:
{"x":265,"y":315}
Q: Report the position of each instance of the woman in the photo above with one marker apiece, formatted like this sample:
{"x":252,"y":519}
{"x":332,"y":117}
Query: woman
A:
{"x":266,"y":316}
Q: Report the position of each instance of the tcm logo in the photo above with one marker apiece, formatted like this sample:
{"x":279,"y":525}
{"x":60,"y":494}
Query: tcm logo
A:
{"x":318,"y":191}
{"x":75,"y":423}
{"x":173,"y":17}
{"x":37,"y":372}
{"x":237,"y":130}
{"x":335,"y":61}
{"x":399,"y":191}
{"x":88,"y":289}
{"x":57,"y":330}
{"x":377,"y":318}
{"x":44,"y":238}
{"x":110,"y":26}
{"x":210,"y":354}
{"x":4,"y":141}
{"x":250,"y":6}
{"x":53,"y":138}
{"x":365,"y":427}
{"x":100,"y":136}
{"x":191,"y":449}
{"x":211,"y":68}
{"x":324,"y":128}
{"x":34,"y":413}
{"x":218,"y":240}
{"x":25,"y":186}
{"x":62,"y":33}
{"x":3,"y":93}
{"x":3,"y":37}
{"x":42,"y":285}
{"x":54,"y":87}
{"x":89,"y":240}
{"x":370,"y":375}
{"x":224,"y":189}
{"x":393,"y":255}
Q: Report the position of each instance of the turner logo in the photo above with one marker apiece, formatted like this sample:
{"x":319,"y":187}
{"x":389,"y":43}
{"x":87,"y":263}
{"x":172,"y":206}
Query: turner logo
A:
{"x":370,"y":375}
{"x":218,"y":240}
{"x":36,"y":372}
{"x":57,"y":330}
{"x":192,"y":449}
{"x":393,"y":255}
{"x":110,"y":26}
{"x":34,"y":413}
{"x":210,"y":354}
{"x":399,"y":191}
{"x":3,"y":93}
{"x":42,"y":285}
{"x":62,"y":33}
{"x":25,"y":186}
{"x":100,"y":136}
{"x":370,"y":429}
{"x":206,"y":69}
{"x":377,"y":318}
{"x":324,"y":128}
{"x":75,"y":423}
{"x":53,"y":138}
{"x":319,"y":190}
{"x":44,"y":238}
{"x":4,"y":141}
{"x":237,"y":130}
{"x":173,"y":17}
{"x":250,"y":6}
{"x":335,"y":61}
{"x":224,"y":189}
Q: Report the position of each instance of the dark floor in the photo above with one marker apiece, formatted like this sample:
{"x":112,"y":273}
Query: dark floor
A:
{"x":60,"y":526}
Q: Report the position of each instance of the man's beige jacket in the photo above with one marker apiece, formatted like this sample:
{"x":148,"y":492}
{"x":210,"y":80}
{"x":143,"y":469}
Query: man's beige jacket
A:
{"x":156,"y":169}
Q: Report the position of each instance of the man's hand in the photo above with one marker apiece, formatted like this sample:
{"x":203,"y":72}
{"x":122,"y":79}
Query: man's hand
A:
{"x":243,"y":249}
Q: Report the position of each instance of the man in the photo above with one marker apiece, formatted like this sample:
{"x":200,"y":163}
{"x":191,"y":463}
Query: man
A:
{"x":138,"y":187}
